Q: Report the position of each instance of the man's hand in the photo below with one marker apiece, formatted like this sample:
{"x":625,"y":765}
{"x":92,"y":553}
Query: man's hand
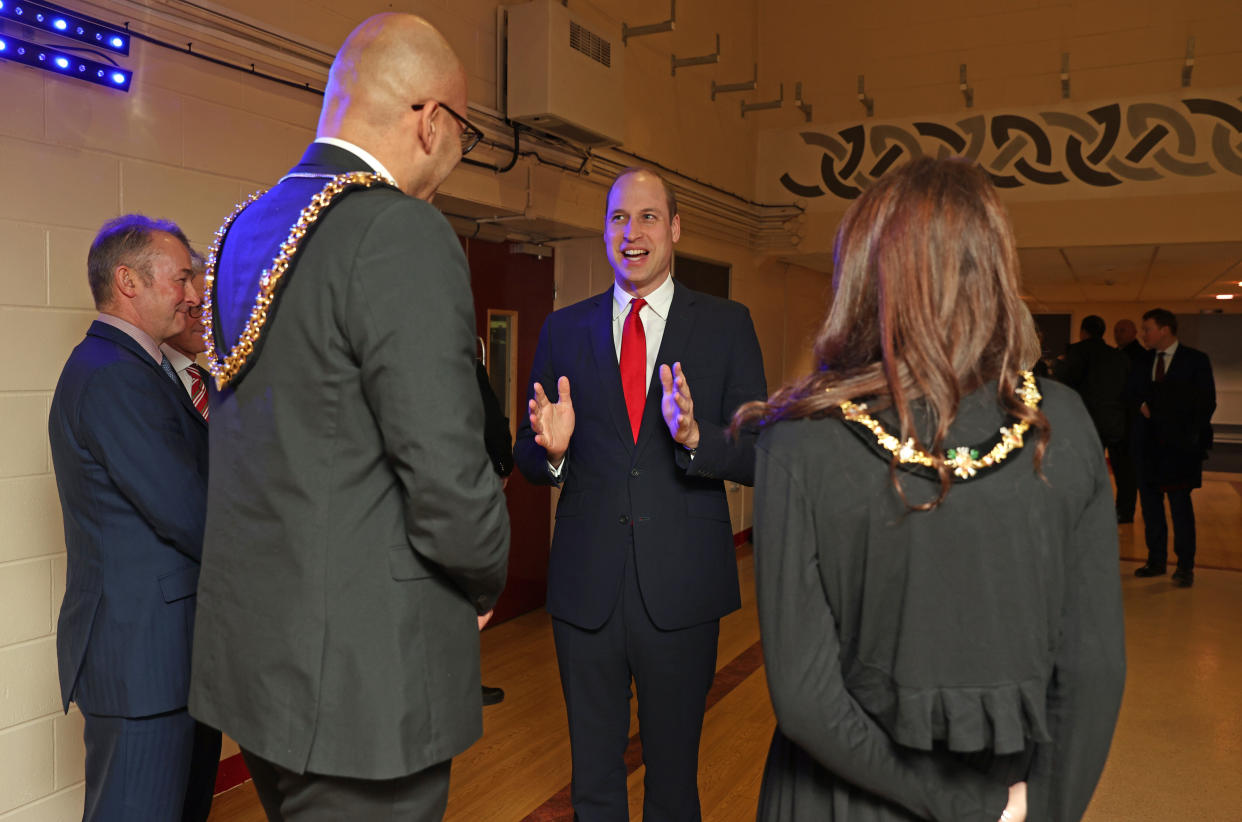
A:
{"x":1145,"y":411}
{"x":678,"y":407}
{"x":483,"y":619}
{"x":553,"y":422}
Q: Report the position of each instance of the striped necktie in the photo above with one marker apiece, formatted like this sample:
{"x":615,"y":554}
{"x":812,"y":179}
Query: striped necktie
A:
{"x":198,"y":390}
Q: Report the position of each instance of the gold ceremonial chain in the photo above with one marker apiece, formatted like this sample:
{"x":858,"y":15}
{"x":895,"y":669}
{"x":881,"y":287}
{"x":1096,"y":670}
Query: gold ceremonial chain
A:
{"x":223,"y":371}
{"x":964,"y":460}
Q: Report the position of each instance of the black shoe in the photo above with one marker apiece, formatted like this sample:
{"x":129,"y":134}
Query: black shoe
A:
{"x":1122,"y":519}
{"x":1149,"y":571}
{"x":493,"y":696}
{"x":1183,"y":579}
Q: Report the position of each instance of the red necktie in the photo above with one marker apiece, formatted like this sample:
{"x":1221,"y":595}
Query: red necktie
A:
{"x":1159,"y":366}
{"x":198,"y":391}
{"x":634,"y":365}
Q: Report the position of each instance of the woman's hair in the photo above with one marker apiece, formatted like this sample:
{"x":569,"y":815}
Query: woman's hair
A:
{"x":925,"y":308}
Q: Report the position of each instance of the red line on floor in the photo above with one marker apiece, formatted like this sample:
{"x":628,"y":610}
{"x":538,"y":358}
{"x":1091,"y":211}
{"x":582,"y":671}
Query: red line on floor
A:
{"x":232,"y":772}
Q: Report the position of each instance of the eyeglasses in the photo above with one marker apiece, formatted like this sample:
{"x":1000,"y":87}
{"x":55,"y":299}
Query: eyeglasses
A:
{"x":470,"y":136}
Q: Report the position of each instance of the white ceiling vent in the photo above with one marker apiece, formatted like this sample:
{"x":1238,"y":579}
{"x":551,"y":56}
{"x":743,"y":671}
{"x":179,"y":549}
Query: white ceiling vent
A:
{"x":565,"y":75}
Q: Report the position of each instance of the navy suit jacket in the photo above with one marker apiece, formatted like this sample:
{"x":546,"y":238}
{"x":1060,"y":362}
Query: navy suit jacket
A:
{"x":130,"y":454}
{"x":1171,"y":445}
{"x":672,"y":507}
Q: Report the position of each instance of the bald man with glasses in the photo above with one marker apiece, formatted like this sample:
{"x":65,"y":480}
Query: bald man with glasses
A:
{"x":356,"y":537}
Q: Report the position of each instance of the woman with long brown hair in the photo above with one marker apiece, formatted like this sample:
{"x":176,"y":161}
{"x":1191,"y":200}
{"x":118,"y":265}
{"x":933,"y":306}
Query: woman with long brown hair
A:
{"x":935,"y":541}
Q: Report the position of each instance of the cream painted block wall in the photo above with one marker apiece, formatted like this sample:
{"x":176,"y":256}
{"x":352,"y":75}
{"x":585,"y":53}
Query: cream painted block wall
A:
{"x":910,"y":50}
{"x":187,"y":143}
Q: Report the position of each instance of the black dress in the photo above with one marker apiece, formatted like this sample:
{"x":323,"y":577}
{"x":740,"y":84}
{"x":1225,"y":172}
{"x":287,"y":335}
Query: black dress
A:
{"x":920,"y":662}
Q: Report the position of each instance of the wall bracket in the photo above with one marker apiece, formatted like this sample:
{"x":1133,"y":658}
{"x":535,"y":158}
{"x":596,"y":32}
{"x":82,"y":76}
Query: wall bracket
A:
{"x":682,"y":62}
{"x":777,"y":103}
{"x":726,"y":88}
{"x":802,"y":105}
{"x":867,"y":102}
{"x":628,"y":31}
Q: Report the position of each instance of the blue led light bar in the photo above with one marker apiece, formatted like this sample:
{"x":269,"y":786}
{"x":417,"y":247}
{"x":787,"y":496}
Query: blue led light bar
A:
{"x":66,"y":23}
{"x":59,"y":62}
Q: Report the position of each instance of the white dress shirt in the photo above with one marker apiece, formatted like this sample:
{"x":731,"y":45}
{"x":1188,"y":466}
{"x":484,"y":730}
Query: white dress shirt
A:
{"x":1168,"y":359}
{"x":654,"y":316}
{"x":361,"y":153}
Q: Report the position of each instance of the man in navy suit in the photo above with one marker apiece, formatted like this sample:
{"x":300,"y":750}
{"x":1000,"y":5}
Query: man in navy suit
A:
{"x":1175,"y":396}
{"x":642,"y":565}
{"x":130,"y":453}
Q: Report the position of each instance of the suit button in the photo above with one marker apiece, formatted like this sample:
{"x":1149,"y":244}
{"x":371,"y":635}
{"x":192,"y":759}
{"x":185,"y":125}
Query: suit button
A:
{"x":624,"y":519}
{"x":634,"y":472}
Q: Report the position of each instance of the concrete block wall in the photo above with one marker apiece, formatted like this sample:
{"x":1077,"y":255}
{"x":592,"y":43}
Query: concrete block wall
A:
{"x":186,"y":143}
{"x":910,"y":51}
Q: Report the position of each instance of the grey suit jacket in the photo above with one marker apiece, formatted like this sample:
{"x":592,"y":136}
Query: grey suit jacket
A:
{"x":355,"y":527}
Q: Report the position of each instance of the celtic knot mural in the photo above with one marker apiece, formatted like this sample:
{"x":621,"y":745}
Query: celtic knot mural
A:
{"x":1107,"y":146}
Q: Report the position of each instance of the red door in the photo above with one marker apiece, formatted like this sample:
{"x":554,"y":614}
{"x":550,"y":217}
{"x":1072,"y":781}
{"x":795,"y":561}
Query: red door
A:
{"x":513,"y":293}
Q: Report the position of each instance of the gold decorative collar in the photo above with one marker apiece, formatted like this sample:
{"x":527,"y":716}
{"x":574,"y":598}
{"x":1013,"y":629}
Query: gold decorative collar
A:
{"x":966,"y":461}
{"x":225,"y":369}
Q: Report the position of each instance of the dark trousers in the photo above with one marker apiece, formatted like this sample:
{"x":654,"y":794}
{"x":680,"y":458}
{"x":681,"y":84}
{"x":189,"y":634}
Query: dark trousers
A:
{"x":306,"y":797}
{"x":157,"y":768}
{"x":672,"y":672}
{"x":1122,"y":460}
{"x":1156,"y":527}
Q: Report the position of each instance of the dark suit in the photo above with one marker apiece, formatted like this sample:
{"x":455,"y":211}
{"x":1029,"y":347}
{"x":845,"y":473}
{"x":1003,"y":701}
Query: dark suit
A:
{"x":355,"y":527}
{"x":1170,"y":447}
{"x":1121,"y":458}
{"x":130,"y":454}
{"x":497,"y":440}
{"x":1098,"y":372}
{"x":643,"y":545}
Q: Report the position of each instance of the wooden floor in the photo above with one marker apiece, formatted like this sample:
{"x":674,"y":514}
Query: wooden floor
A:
{"x":1176,"y":754}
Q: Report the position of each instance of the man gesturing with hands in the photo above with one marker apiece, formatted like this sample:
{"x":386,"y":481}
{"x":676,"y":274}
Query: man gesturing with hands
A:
{"x":642,"y":564}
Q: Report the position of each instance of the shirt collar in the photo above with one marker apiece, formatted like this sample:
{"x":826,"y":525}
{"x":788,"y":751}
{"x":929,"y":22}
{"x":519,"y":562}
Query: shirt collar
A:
{"x":139,"y":336}
{"x":359,"y":152}
{"x":658,"y":301}
{"x":1170,"y":351}
{"x":176,"y":359}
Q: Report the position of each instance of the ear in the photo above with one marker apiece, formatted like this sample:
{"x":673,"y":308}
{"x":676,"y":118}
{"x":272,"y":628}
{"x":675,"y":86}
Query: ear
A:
{"x":125,"y":281}
{"x":675,"y":225}
{"x":426,"y":131}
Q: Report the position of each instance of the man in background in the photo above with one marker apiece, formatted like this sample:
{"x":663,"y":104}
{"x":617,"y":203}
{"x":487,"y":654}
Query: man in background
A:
{"x":130,"y":454}
{"x":1175,"y":396}
{"x":1098,"y":372}
{"x":1125,"y":336}
{"x":357,"y":536}
{"x":499,"y":445}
